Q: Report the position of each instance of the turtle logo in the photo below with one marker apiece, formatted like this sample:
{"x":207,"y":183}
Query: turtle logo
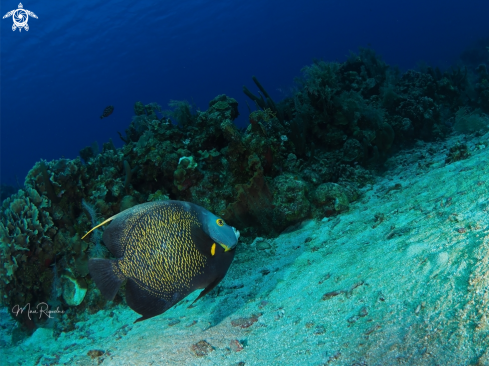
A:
{"x":20,"y":17}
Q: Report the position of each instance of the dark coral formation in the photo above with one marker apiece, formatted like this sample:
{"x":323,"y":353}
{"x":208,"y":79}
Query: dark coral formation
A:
{"x":303,"y":157}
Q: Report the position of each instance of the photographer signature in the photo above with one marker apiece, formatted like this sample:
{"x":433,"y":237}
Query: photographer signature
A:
{"x":41,"y":308}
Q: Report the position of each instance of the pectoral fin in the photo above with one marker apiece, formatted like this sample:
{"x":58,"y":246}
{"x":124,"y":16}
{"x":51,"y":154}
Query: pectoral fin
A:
{"x":208,"y":289}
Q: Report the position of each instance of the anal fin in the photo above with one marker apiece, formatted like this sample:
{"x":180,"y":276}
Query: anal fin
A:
{"x":104,"y":274}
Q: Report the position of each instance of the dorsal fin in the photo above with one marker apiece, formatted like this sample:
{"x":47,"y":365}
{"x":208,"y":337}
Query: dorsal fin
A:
{"x":96,"y":227}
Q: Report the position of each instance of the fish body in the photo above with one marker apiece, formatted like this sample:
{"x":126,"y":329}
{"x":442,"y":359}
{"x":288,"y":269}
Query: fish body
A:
{"x":165,"y":250}
{"x":107,"y":111}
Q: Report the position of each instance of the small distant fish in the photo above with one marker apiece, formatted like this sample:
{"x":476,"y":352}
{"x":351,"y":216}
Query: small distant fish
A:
{"x":165,"y":250}
{"x":107,"y":111}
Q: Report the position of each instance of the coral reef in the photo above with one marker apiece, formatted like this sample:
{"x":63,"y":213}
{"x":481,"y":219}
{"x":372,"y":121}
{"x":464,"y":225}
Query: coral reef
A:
{"x":304,"y":157}
{"x":27,"y":247}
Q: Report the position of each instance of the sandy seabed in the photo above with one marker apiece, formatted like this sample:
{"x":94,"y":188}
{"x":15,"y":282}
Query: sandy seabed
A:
{"x":401,"y":278}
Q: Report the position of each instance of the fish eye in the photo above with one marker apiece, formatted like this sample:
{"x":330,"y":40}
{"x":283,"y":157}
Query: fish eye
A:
{"x":220,"y":222}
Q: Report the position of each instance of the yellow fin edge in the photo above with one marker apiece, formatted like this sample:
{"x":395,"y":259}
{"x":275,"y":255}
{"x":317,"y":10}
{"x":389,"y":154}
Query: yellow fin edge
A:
{"x":96,"y":227}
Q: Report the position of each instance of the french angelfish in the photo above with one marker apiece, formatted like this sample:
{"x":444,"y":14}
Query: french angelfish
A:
{"x":107,"y":111}
{"x":165,"y":250}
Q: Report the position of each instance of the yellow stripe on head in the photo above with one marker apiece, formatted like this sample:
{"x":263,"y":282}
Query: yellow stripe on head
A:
{"x":103,"y":223}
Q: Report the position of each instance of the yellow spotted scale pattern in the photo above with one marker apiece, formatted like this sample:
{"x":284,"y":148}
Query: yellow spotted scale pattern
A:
{"x":159,"y":253}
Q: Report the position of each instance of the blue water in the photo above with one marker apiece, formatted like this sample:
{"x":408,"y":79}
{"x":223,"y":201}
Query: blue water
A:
{"x":79,"y":57}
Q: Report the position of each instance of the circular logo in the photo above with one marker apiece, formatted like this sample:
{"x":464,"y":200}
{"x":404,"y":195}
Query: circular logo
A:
{"x":20,"y":18}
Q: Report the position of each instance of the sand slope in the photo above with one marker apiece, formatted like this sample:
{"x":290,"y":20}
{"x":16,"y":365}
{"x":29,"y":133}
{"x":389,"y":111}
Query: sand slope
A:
{"x":402,"y":278}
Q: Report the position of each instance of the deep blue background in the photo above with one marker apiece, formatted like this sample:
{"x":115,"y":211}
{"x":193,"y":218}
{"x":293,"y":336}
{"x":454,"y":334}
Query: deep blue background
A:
{"x":81,"y":56}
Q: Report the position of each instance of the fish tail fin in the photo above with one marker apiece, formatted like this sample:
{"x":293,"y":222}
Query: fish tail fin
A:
{"x":106,"y":276}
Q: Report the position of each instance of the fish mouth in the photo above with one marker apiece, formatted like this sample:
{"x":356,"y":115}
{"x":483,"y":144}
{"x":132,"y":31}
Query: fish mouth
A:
{"x":227,"y":248}
{"x":236,"y":232}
